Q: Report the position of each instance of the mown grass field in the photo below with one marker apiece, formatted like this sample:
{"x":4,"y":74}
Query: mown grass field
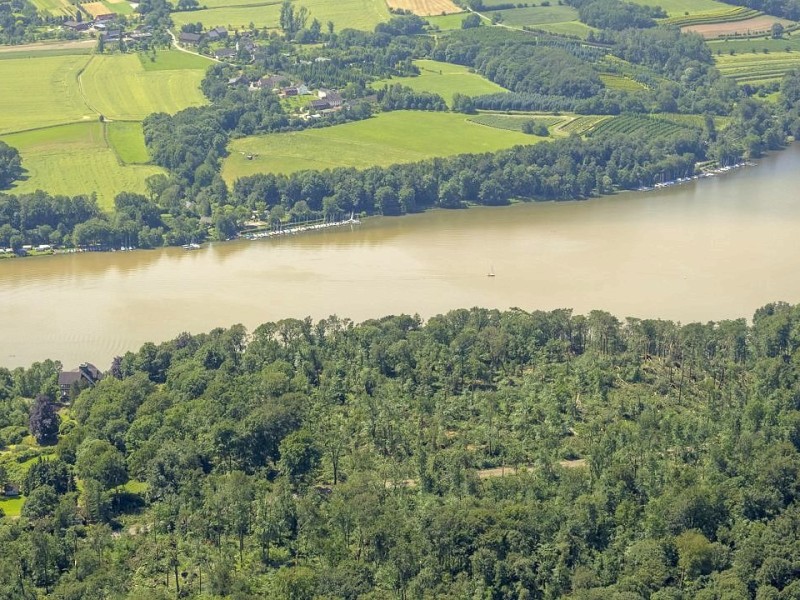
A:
{"x":239,"y":14}
{"x":126,"y":138}
{"x":39,"y":92}
{"x":76,"y":159}
{"x":620,"y":82}
{"x":447,"y":22}
{"x":572,"y":28}
{"x":446,"y":80}
{"x":755,"y":45}
{"x":173,"y":60}
{"x":119,"y":87}
{"x":534,"y":16}
{"x":680,"y":7}
{"x":389,"y":138}
{"x":12,"y":507}
{"x":724,"y":15}
{"x":54,"y":7}
{"x":757,"y":68}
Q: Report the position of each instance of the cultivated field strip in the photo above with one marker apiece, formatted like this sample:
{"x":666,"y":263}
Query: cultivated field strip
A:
{"x":515,"y":122}
{"x":627,"y":124}
{"x":755,"y":68}
{"x":425,"y":8}
{"x":732,"y":14}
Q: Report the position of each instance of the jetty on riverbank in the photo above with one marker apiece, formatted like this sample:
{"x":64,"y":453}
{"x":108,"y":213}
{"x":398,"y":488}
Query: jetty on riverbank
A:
{"x":301,"y":229}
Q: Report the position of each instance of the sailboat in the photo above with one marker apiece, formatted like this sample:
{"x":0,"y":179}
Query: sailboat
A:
{"x":491,"y":272}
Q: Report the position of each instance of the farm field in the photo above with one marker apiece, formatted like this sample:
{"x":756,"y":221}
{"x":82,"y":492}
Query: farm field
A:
{"x":75,"y":159}
{"x":126,"y":138}
{"x":447,"y":22}
{"x":238,"y":14}
{"x":514,"y":122}
{"x":637,"y":124}
{"x":96,"y":9}
{"x":751,"y":26}
{"x":119,"y":87}
{"x":54,"y":7}
{"x":42,"y":49}
{"x":676,"y":8}
{"x":757,"y":68}
{"x":581,"y":125}
{"x":173,"y":60}
{"x":573,"y":28}
{"x":725,"y":15}
{"x":754,"y":45}
{"x":536,"y":15}
{"x":51,"y":98}
{"x":444,"y":79}
{"x":619,"y":82}
{"x":389,"y":138}
{"x":425,"y":8}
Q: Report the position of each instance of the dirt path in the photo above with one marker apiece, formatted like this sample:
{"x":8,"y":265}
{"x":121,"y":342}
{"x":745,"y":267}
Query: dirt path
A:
{"x":182,"y":49}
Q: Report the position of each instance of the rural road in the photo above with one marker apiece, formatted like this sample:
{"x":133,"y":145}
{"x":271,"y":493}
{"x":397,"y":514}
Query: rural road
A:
{"x":182,"y":49}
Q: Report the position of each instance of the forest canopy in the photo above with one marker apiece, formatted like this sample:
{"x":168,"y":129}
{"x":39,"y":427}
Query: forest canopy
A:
{"x":479,"y":454}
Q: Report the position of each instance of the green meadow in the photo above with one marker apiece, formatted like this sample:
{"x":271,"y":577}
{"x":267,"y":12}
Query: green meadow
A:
{"x":447,"y":22}
{"x":240,"y":14}
{"x":573,"y":28}
{"x":54,"y":7}
{"x":537,"y":15}
{"x":46,"y":92}
{"x":119,"y":87}
{"x":77,"y":159}
{"x":126,"y":138}
{"x":676,"y":8}
{"x":755,"y":45}
{"x":12,"y":507}
{"x":389,"y":138}
{"x":173,"y":60}
{"x":446,"y":80}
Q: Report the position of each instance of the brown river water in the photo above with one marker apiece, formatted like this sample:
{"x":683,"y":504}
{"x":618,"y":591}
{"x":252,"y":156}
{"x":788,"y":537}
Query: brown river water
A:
{"x":712,"y":249}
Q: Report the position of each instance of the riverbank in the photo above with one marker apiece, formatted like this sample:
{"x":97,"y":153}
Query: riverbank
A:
{"x":680,"y":253}
{"x":294,"y":229}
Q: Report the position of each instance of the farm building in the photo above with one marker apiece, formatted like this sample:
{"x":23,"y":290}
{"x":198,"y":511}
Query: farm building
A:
{"x":225,"y":53}
{"x":218,"y":33}
{"x":319,"y":105}
{"x":111,"y":35}
{"x":189,"y":38}
{"x":76,"y":25}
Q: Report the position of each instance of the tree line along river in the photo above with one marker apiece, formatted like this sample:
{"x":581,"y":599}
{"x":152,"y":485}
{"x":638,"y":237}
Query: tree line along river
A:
{"x":712,"y":249}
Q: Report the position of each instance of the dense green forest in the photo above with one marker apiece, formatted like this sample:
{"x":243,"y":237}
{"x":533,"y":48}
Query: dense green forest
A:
{"x":482,"y":454}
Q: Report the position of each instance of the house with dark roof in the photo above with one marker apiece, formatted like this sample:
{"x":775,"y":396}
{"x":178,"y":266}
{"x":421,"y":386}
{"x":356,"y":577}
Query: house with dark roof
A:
{"x":218,"y":33}
{"x":111,"y":35}
{"x":76,"y":25}
{"x":270,"y":82}
{"x":189,"y":38}
{"x":225,"y":53}
{"x":319,"y":105}
{"x":85,"y":375}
